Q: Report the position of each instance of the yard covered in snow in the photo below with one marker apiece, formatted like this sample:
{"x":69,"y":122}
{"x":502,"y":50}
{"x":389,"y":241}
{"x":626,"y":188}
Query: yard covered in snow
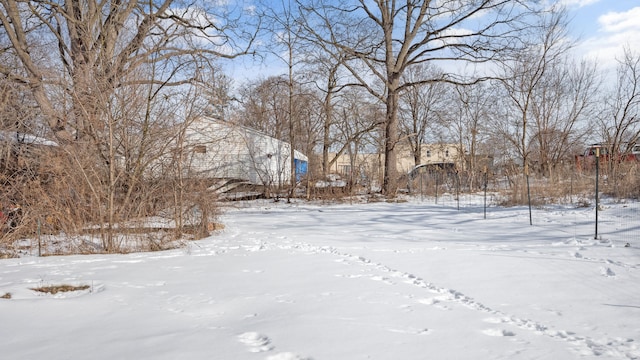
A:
{"x":412,"y":280}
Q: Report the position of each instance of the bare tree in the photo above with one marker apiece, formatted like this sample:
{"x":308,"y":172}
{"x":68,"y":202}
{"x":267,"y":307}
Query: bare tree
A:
{"x":308,"y":115}
{"x":284,"y":25}
{"x":620,"y":122}
{"x":422,"y":107}
{"x":101,"y":45}
{"x":263,"y":106}
{"x":524,"y":75}
{"x":561,"y":110}
{"x":472,"y":109}
{"x":325,"y":73}
{"x":358,"y":119}
{"x":215,"y":87}
{"x":346,"y":111}
{"x":332,"y":88}
{"x":387,"y":37}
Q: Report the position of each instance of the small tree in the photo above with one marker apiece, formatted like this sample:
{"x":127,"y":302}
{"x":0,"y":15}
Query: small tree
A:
{"x":422,"y":108}
{"x":472,"y":111}
{"x":620,"y":121}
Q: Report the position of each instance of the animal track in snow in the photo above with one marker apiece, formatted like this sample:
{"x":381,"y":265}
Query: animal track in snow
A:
{"x":626,"y":266}
{"x":584,"y":345}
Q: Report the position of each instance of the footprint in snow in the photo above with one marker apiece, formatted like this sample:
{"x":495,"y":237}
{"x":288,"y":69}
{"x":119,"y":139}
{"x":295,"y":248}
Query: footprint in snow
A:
{"x":498,"y":332}
{"x":607,"y":272}
{"x":383,"y":279}
{"x":287,"y":356}
{"x":424,"y":331}
{"x":496,"y":320}
{"x":435,"y":301}
{"x":255,"y":341}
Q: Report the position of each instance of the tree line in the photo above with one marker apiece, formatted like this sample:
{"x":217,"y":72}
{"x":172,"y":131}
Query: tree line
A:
{"x":115,"y":85}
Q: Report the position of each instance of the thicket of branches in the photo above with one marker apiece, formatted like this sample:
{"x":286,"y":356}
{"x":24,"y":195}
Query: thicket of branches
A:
{"x":95,"y":99}
{"x":112,"y":84}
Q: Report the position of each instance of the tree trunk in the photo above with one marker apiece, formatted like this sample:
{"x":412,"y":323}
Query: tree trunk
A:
{"x":390,"y":181}
{"x":328,"y":113}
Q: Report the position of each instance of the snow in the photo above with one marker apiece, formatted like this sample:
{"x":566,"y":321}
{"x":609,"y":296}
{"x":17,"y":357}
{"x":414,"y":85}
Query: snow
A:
{"x":413,"y":280}
{"x":19,"y":137}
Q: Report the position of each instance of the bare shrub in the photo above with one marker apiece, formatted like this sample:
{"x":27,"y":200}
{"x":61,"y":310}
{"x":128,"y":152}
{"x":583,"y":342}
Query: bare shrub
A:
{"x":565,"y":186}
{"x":67,"y":208}
{"x":54,"y":289}
{"x":626,"y":183}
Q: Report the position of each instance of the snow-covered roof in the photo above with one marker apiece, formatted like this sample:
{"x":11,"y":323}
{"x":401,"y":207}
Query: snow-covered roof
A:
{"x":24,"y":138}
{"x":206,"y":122}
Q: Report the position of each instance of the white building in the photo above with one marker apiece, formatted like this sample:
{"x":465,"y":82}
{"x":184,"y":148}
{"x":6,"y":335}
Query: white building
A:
{"x":217,"y":149}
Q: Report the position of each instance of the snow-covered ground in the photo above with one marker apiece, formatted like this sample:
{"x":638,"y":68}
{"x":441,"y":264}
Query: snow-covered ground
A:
{"x":413,"y":280}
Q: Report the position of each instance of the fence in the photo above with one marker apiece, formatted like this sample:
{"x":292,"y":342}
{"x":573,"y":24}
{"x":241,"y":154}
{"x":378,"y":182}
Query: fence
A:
{"x":614,"y":214}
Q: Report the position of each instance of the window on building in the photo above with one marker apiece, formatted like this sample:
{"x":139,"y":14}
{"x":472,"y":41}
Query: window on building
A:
{"x":428,"y":153}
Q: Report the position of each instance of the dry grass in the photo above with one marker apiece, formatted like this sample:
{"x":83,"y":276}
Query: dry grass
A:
{"x":4,"y":254}
{"x":565,"y":187}
{"x":6,"y":296}
{"x":54,"y":289}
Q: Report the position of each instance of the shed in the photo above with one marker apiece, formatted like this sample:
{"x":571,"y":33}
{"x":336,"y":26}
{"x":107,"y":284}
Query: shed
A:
{"x":219,"y":149}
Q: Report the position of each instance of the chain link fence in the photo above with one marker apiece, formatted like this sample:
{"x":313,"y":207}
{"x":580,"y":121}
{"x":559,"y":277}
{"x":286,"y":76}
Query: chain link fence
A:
{"x":614,"y":214}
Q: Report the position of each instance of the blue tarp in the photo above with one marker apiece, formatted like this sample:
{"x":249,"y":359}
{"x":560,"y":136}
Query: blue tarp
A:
{"x":301,"y":168}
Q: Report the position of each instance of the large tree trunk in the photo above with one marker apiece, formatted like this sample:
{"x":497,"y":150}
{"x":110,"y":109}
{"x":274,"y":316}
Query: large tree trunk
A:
{"x":328,"y":113}
{"x":390,"y":181}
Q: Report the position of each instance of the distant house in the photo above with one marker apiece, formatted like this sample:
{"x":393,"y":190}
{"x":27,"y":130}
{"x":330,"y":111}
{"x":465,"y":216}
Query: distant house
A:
{"x":625,"y":152}
{"x":442,"y":156}
{"x":218,"y":149}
